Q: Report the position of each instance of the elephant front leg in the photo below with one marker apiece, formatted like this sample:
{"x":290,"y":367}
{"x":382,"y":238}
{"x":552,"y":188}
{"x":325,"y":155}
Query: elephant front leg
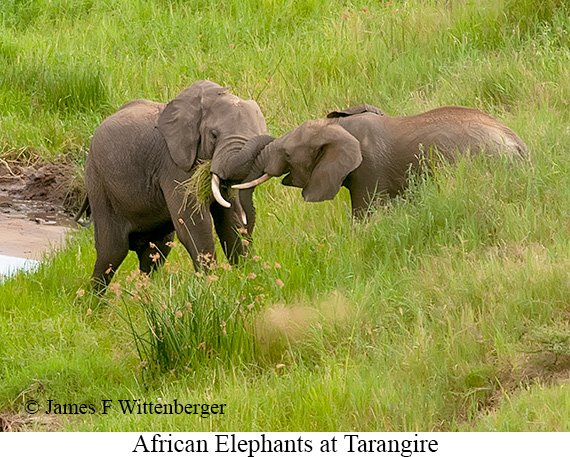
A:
{"x":365,"y":193}
{"x":231,"y":228}
{"x":192,"y":223}
{"x":194,"y":231}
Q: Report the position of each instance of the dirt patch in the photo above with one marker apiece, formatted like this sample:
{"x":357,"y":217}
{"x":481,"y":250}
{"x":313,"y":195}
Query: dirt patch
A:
{"x":36,"y":207}
{"x":488,"y":387}
{"x":53,"y":183}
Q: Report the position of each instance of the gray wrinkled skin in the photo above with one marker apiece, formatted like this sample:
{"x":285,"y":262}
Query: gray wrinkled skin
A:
{"x":140,"y":154}
{"x":371,"y":153}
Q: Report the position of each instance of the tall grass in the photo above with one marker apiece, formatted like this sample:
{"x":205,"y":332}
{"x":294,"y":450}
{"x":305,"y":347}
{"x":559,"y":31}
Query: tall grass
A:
{"x":447,"y":309}
{"x":188,"y":322}
{"x":72,"y":62}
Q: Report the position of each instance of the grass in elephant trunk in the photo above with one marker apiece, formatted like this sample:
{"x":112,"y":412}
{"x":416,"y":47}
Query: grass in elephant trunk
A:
{"x":198,"y":188}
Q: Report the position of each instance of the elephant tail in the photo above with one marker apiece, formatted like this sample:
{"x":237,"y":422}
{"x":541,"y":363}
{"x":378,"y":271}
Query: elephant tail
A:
{"x":85,"y":209}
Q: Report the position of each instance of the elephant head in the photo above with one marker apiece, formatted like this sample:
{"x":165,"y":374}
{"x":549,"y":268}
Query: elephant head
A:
{"x":207,"y":122}
{"x":316,"y":156}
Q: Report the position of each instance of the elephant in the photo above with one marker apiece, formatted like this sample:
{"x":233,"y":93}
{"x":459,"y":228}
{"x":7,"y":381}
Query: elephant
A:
{"x":139,"y":156}
{"x":371,"y":153}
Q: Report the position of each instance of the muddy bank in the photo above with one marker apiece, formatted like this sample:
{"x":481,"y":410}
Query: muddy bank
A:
{"x":29,"y":237}
{"x":36,"y":205}
{"x":54,"y":183}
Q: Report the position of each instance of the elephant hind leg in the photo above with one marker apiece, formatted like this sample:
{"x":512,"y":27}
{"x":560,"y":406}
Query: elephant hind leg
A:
{"x":111,"y":252}
{"x":153,"y":250}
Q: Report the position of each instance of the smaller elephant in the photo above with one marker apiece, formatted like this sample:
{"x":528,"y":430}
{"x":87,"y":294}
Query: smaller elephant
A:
{"x":371,"y":153}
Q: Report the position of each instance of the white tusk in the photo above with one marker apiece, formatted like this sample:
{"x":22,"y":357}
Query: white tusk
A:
{"x":217,"y":193}
{"x":255,"y":182}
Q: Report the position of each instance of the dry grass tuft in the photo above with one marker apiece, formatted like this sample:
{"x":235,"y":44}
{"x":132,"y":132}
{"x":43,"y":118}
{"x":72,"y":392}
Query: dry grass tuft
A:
{"x":19,"y":423}
{"x":285,"y":323}
{"x":198,"y":188}
{"x":279,"y":325}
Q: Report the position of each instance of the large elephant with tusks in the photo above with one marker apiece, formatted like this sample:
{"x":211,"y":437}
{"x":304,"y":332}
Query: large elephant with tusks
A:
{"x":140,"y":155}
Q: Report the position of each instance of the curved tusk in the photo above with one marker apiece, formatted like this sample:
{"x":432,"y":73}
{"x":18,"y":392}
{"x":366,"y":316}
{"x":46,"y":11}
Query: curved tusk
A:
{"x":217,"y":193}
{"x":255,"y":182}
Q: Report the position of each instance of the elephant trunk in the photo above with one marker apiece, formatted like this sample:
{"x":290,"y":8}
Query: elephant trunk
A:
{"x":246,"y":202}
{"x":250,"y":153}
{"x":269,"y":162}
{"x":236,"y":165}
{"x":258,"y":166}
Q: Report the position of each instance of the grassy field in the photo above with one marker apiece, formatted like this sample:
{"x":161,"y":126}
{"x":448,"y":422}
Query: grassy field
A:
{"x":449,"y":309}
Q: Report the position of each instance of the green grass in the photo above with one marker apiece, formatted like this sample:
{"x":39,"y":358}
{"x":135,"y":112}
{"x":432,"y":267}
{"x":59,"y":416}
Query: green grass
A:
{"x":446,"y":310}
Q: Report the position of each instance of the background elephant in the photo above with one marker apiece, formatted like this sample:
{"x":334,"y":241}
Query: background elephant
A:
{"x":370,"y":152}
{"x":138,"y":157}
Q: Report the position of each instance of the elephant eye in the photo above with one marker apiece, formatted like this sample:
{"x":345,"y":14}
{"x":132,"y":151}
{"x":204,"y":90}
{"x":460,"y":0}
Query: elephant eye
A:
{"x":214,"y":134}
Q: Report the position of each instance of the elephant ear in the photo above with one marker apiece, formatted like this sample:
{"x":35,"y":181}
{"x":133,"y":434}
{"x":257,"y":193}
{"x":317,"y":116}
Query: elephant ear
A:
{"x":364,"y":108}
{"x":179,"y":122}
{"x":337,"y":155}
